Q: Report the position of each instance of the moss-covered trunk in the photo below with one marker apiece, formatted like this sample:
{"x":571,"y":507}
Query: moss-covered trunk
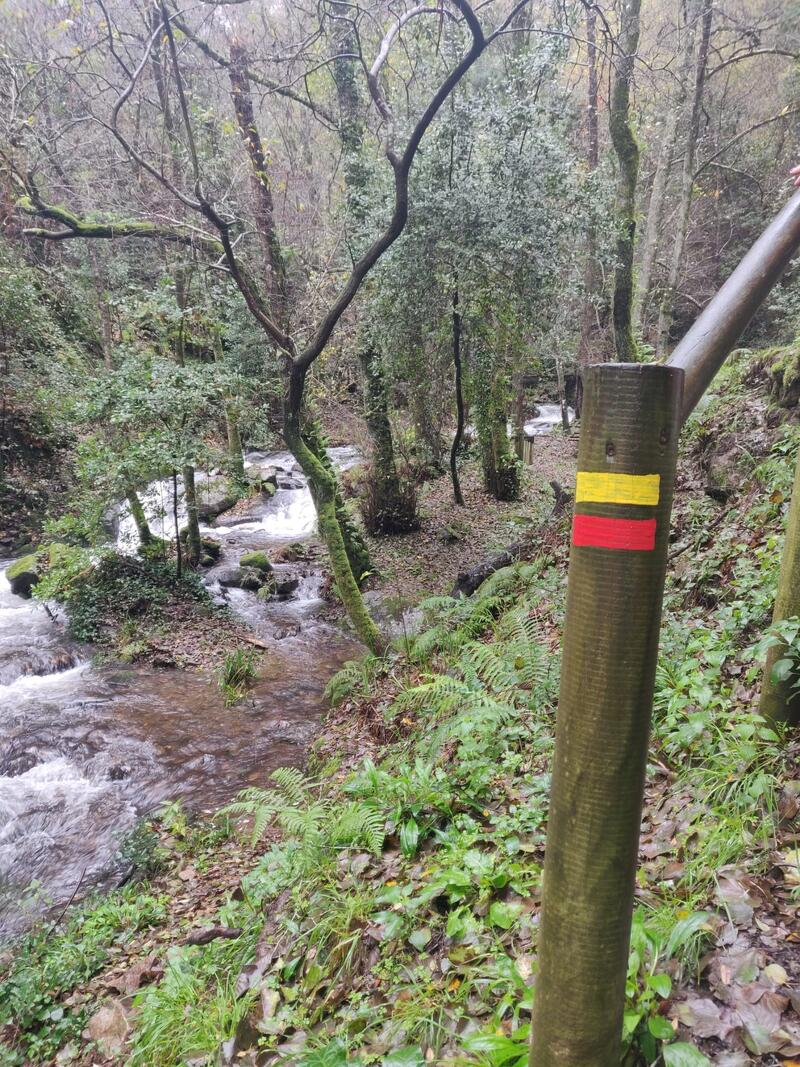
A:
{"x":501,"y":467}
{"x":388,"y":510}
{"x":307,"y":448}
{"x":627,"y":151}
{"x":139,"y":517}
{"x":193,"y":545}
{"x":780,"y":701}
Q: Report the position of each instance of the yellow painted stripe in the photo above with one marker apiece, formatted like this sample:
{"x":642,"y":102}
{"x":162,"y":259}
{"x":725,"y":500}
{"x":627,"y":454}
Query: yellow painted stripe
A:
{"x":606,"y":488}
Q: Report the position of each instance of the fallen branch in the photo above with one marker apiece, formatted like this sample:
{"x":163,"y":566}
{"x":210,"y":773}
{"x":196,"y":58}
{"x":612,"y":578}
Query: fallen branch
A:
{"x":208,"y":934}
{"x":468,"y":581}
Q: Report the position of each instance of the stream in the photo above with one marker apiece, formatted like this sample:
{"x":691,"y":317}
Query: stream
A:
{"x":86,"y":751}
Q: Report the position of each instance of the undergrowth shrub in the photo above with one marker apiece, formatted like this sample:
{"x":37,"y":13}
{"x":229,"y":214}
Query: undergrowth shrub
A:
{"x":102,"y":591}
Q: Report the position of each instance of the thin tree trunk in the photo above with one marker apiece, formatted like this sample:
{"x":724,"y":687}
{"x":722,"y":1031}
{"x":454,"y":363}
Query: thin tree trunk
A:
{"x":323,"y":486}
{"x":193,"y":540}
{"x":386,"y":482}
{"x":178,"y":549}
{"x":194,"y":545}
{"x":235,"y":455}
{"x":518,"y":428}
{"x":654,"y":213}
{"x":592,"y":279}
{"x":780,"y":701}
{"x":562,"y":396}
{"x":687,"y":186}
{"x":627,"y":151}
{"x":276,"y":279}
{"x":459,"y":391}
{"x":138,"y":514}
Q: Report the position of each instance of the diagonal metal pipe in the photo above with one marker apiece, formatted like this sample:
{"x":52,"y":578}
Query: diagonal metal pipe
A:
{"x":706,"y":345}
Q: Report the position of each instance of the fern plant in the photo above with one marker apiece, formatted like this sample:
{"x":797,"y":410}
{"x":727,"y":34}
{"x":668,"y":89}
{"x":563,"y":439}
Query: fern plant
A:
{"x":320,"y":825}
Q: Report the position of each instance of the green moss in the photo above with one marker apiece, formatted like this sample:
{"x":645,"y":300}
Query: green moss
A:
{"x":24,"y":574}
{"x":24,"y":565}
{"x":782,"y":366}
{"x":259,"y":560}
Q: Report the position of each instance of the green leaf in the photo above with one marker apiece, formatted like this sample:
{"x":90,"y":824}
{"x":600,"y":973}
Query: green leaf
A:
{"x":682,"y":1054}
{"x":420,"y":938}
{"x":410,"y":1056}
{"x":781,"y":670}
{"x":630,"y":1021}
{"x":661,"y":983}
{"x":503,"y":915}
{"x":660,"y":1027}
{"x":409,"y":837}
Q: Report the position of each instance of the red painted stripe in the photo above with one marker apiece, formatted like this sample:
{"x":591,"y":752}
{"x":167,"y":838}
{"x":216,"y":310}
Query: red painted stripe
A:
{"x":593,"y":531}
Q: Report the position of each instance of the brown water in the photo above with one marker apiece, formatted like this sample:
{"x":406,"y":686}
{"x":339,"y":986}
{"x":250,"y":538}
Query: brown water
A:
{"x":85,"y":752}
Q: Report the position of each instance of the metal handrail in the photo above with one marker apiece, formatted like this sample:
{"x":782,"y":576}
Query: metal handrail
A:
{"x":706,"y":345}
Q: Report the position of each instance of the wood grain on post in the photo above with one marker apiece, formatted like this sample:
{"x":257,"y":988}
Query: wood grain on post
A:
{"x":626,"y":473}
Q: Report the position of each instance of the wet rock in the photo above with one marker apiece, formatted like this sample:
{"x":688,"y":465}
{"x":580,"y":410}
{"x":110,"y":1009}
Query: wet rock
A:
{"x":108,"y":1028}
{"x":211,"y":547}
{"x":286,"y":586}
{"x":213,"y":497}
{"x":23,"y":575}
{"x":294,"y":553}
{"x":118,"y":773}
{"x":231,"y":577}
{"x":259,"y":560}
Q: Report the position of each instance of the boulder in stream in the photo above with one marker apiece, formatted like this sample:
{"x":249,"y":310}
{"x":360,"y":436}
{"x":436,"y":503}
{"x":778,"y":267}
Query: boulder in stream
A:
{"x":23,"y":575}
{"x":213,"y":497}
{"x":257,"y":559}
{"x":250,"y":578}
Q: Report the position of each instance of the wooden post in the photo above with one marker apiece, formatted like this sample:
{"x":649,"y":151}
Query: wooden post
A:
{"x":780,"y":702}
{"x":626,"y":472}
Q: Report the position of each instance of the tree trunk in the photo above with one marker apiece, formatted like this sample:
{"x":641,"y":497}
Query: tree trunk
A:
{"x":562,"y":396}
{"x":324,"y":490}
{"x":654,"y":212}
{"x":193,"y":543}
{"x":687,"y":186}
{"x":780,"y":701}
{"x":501,"y":467}
{"x":592,"y":278}
{"x":459,"y":391}
{"x":627,"y":151}
{"x":139,"y":517}
{"x":518,"y":427}
{"x":178,"y":549}
{"x":235,"y":456}
{"x":264,"y":207}
{"x":388,"y":511}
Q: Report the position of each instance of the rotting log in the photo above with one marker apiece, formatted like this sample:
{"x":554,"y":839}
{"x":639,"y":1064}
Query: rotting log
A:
{"x":626,"y":473}
{"x":470,"y":580}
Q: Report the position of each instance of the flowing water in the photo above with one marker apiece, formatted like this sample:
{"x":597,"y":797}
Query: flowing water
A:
{"x":85,"y":751}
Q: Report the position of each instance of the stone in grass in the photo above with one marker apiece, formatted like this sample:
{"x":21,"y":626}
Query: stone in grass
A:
{"x":259,"y":560}
{"x":23,"y":575}
{"x":108,"y":1028}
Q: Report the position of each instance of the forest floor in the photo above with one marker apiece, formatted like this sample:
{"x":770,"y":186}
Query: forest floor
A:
{"x":388,"y":915}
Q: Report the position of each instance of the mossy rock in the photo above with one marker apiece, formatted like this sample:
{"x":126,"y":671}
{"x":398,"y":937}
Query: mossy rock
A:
{"x":211,"y":547}
{"x":23,"y":575}
{"x":259,"y":560}
{"x":782,"y":367}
